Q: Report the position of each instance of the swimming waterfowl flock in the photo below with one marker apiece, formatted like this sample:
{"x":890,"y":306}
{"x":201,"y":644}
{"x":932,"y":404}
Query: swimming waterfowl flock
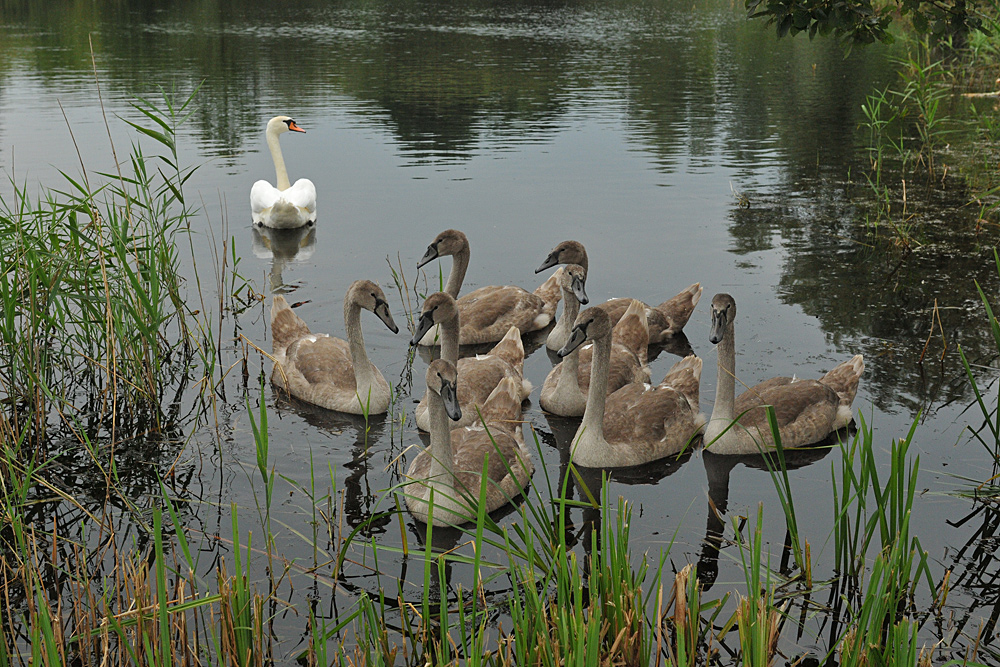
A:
{"x":473,"y":404}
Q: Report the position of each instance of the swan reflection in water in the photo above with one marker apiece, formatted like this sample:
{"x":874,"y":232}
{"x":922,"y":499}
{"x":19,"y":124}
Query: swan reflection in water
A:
{"x":282,"y":247}
{"x":360,"y":497}
{"x":449,"y":545}
{"x":586,"y":484}
{"x":718,"y":469}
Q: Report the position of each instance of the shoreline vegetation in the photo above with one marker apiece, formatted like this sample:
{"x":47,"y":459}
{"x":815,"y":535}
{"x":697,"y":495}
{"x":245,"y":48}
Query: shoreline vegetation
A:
{"x":101,"y":348}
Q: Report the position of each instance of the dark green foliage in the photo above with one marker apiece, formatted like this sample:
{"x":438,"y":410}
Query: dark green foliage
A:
{"x":859,"y":22}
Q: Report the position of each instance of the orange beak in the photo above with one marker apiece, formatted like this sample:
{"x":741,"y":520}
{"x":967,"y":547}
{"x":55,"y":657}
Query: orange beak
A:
{"x":294,"y":128}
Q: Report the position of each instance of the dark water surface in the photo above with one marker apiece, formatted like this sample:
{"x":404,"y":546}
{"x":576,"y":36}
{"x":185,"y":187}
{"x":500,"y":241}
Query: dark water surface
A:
{"x":624,"y":125}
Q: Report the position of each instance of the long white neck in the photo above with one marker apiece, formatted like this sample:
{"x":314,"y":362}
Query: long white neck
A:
{"x":459,"y":265}
{"x":440,"y":474}
{"x":279,"y":161}
{"x":725,"y":386}
{"x":448,"y":330}
{"x":571,"y":308}
{"x":593,"y":417}
{"x":363,"y":375}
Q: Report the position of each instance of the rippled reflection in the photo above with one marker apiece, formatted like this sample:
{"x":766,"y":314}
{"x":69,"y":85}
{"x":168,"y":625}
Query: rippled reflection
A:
{"x":284,"y":247}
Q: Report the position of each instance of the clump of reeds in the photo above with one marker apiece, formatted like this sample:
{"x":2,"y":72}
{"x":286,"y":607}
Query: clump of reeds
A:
{"x":94,"y":327}
{"x":97,"y":347}
{"x":757,"y":618}
{"x":570,"y":614}
{"x":685,"y":637}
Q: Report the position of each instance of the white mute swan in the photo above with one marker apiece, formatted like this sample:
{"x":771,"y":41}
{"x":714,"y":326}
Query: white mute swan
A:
{"x":452,"y":467}
{"x":286,"y":206}
{"x":479,"y":375}
{"x":331,"y":372}
{"x":488,"y":313}
{"x":664,"y":320}
{"x":638,"y":423}
{"x":806,"y":410}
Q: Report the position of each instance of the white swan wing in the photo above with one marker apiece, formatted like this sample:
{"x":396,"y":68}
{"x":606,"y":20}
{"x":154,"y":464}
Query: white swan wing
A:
{"x":302,"y":195}
{"x":263,"y":195}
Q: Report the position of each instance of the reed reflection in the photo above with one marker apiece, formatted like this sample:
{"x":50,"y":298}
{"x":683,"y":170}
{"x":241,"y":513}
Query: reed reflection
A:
{"x":975,"y":564}
{"x":444,"y":542}
{"x":95,"y":533}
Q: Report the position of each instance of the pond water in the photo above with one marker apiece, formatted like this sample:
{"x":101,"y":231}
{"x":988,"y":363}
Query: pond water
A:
{"x":625,"y":125}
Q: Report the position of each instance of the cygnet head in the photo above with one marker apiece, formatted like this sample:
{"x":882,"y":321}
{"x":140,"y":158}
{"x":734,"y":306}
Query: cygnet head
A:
{"x":723,"y":314}
{"x":370,"y":296}
{"x":591,"y":324}
{"x":438,"y":307}
{"x":448,"y":242}
{"x":567,"y":252}
{"x":280,"y":124}
{"x":442,"y":379}
{"x":574,"y":281}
